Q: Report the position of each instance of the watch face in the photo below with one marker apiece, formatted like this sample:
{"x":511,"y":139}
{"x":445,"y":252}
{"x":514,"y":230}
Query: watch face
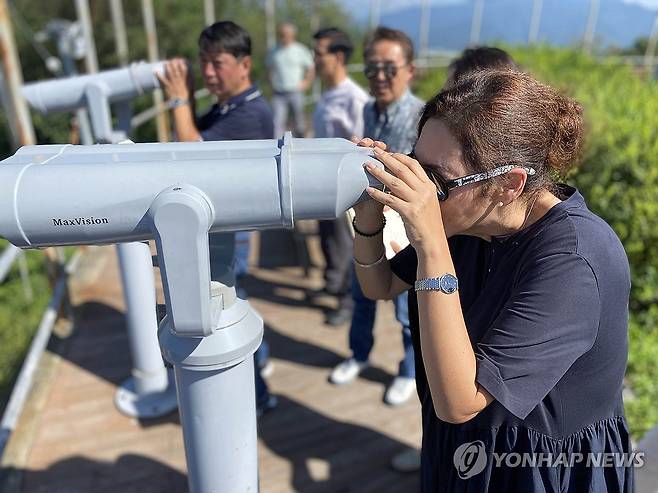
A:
{"x":448,"y":283}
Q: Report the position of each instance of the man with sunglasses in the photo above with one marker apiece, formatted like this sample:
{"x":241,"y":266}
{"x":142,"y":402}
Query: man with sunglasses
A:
{"x":392,"y":118}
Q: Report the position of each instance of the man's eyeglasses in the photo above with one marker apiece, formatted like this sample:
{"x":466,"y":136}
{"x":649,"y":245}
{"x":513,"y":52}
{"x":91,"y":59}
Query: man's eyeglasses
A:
{"x":389,"y":68}
{"x":444,"y":186}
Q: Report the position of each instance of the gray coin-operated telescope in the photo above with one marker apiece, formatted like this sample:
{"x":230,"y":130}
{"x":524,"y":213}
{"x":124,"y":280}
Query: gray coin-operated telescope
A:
{"x":149,"y":392}
{"x":176,"y":194}
{"x":98,"y":93}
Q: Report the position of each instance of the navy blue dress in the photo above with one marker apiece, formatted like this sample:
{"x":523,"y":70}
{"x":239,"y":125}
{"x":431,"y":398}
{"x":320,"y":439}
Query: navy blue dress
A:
{"x":546,"y":310}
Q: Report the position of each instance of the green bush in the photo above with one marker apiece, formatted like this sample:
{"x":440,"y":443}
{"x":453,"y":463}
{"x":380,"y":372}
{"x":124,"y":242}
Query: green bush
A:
{"x":19,"y":317}
{"x":619,"y":179}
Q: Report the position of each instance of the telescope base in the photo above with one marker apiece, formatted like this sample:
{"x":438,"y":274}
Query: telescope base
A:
{"x":145,"y":406}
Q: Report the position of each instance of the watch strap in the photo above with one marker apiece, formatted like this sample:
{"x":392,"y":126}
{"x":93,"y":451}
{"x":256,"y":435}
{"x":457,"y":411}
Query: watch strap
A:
{"x":447,"y":283}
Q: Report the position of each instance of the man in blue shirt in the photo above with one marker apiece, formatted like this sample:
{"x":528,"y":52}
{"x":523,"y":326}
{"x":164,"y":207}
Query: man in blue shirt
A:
{"x":240,"y":113}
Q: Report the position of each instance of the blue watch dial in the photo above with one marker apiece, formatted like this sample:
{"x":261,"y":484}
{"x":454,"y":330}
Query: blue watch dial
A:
{"x":448,"y":283}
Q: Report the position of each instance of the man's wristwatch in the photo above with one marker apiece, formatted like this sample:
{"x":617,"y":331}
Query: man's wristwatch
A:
{"x":176,"y":102}
{"x":447,"y":283}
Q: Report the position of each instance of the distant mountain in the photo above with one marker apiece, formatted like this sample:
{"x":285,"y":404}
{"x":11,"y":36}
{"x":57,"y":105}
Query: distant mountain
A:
{"x":562,"y":22}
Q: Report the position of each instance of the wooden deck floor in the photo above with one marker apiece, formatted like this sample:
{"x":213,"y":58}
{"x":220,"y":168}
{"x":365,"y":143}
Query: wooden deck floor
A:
{"x":320,"y":437}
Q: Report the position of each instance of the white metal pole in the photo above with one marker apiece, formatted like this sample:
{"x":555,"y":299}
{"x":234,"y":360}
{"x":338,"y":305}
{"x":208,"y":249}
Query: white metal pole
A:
{"x":590,"y":29}
{"x":270,"y":23}
{"x":535,"y":21}
{"x":476,"y":22}
{"x":18,"y":115}
{"x":209,"y":12}
{"x":315,"y":16}
{"x":651,"y":47}
{"x":424,"y":28}
{"x":84,"y":17}
{"x":25,"y":276}
{"x":375,"y":13}
{"x":162,"y":121}
{"x":120,"y":37}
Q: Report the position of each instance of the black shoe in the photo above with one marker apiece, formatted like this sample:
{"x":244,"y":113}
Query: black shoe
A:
{"x":266,"y":405}
{"x":339,"y":316}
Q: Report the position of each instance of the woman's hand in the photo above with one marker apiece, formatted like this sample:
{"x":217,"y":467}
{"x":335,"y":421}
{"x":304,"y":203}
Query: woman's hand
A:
{"x":177,"y":79}
{"x":369,"y":212}
{"x":412,"y":195}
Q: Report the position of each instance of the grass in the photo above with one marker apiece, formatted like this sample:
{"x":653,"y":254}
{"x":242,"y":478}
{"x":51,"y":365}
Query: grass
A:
{"x":19,"y":318}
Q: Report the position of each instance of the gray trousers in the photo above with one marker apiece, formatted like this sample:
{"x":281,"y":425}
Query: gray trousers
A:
{"x":337,"y":246}
{"x":281,"y":102}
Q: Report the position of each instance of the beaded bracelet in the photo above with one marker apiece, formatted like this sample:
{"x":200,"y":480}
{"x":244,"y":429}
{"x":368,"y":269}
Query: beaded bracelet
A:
{"x":368,"y":235}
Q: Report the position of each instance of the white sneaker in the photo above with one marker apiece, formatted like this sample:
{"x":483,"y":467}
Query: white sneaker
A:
{"x":400,"y":391}
{"x":406,"y":461}
{"x":347,"y":371}
{"x":267,"y":370}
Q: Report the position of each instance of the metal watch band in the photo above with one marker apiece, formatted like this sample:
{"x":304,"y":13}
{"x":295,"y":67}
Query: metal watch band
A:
{"x":176,"y":102}
{"x":447,"y":283}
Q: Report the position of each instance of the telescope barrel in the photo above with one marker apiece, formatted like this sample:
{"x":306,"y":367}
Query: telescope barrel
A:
{"x":64,"y":195}
{"x":69,"y":94}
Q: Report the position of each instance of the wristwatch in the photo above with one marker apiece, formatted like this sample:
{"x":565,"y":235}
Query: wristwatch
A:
{"x":447,"y":283}
{"x":176,"y":102}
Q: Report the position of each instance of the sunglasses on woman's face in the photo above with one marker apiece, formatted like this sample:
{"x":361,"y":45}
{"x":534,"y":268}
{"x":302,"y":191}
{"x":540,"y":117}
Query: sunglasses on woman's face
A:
{"x":444,"y":186}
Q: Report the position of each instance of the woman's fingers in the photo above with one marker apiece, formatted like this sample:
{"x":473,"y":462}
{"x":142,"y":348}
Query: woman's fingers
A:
{"x":163,"y":79}
{"x":414,"y":166}
{"x":401,"y":170}
{"x":396,"y":185}
{"x":387,"y":199}
{"x":368,"y":142}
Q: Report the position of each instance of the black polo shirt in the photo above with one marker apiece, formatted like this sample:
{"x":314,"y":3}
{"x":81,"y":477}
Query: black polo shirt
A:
{"x":242,"y":117}
{"x":546,"y":310}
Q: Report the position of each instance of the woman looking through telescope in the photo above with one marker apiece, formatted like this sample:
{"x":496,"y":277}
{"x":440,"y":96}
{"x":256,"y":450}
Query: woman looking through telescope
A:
{"x":519,"y":312}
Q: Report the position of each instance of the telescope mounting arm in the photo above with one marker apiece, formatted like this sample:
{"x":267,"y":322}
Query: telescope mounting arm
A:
{"x":98,"y":104}
{"x":181,"y":216}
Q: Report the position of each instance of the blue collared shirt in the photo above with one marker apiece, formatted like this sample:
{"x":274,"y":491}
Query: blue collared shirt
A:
{"x":396,"y":125}
{"x":244,"y":116}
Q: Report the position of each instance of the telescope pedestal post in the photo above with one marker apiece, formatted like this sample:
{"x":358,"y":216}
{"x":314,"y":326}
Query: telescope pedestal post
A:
{"x":217,"y":402}
{"x":210,"y":341}
{"x":148,"y":393}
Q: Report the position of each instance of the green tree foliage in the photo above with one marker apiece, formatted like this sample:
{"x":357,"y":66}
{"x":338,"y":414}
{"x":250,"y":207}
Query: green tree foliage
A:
{"x":178,"y":24}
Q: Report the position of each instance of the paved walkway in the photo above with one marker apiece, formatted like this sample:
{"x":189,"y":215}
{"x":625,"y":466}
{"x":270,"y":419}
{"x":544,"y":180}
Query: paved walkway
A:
{"x":320,"y":438}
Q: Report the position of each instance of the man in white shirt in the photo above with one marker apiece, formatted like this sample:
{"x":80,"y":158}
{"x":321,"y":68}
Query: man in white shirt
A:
{"x":291,"y":73}
{"x":339,"y":113}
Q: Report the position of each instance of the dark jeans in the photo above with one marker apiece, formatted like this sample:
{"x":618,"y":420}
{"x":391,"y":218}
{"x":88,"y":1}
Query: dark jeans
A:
{"x":262,"y":392}
{"x":241,"y":258}
{"x":337,"y":243}
{"x":242,"y":247}
{"x":363,"y":323}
